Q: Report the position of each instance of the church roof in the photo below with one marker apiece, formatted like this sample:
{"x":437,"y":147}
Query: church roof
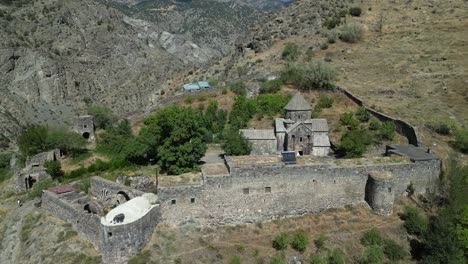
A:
{"x":298,"y":103}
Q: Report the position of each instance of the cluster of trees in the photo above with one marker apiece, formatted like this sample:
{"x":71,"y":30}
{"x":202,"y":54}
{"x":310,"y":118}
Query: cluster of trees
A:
{"x":362,"y":131}
{"x":443,"y":238}
{"x":4,"y":165}
{"x":309,"y":76}
{"x":38,"y":139}
{"x":448,"y":127}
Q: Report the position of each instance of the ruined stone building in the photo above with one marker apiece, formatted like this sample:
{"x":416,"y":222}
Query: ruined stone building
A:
{"x":297,"y":131}
{"x":84,"y":125}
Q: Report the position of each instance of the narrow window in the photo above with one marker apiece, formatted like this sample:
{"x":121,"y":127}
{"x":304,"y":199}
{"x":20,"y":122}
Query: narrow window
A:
{"x":85,"y":126}
{"x":173,"y":201}
{"x":334,"y":181}
{"x":109,"y":234}
{"x":192,"y":200}
{"x":300,"y":139}
{"x":246,"y":190}
{"x":267,"y":189}
{"x":389,"y":190}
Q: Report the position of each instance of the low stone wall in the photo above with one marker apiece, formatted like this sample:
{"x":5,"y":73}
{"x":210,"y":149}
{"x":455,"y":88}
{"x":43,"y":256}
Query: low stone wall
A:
{"x":404,"y":128}
{"x":105,"y":189}
{"x":121,"y":242}
{"x":87,"y":224}
{"x":181,"y":204}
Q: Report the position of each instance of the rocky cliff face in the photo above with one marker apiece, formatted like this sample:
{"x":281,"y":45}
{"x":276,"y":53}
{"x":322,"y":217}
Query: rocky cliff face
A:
{"x":57,"y":57}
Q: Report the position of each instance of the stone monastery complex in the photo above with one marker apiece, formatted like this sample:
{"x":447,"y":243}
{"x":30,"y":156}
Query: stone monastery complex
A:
{"x":240,"y":189}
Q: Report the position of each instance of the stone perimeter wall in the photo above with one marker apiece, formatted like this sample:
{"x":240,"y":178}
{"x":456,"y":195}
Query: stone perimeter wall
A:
{"x":120,"y":242}
{"x":104,"y":189}
{"x":88,"y":225}
{"x":254,"y":193}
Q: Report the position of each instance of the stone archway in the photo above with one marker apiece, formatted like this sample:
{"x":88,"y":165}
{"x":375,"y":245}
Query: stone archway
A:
{"x":124,"y":194}
{"x":29,"y":182}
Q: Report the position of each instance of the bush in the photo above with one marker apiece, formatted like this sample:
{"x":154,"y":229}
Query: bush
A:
{"x":85,"y":184}
{"x":324,"y":102}
{"x":143,"y":257}
{"x":443,"y":126}
{"x":103,"y":116}
{"x":76,"y":173}
{"x":300,"y":241}
{"x":355,"y":11}
{"x":415,"y":224}
{"x":387,"y":130}
{"x":235,"y":260}
{"x":331,"y":22}
{"x":374,"y":124}
{"x":235,"y":143}
{"x":316,"y":259}
{"x":53,"y":168}
{"x":270,"y":104}
{"x":394,"y":251}
{"x":351,"y":33}
{"x":337,"y":257}
{"x":347,"y":119}
{"x":354,"y":143}
{"x":189,"y":99}
{"x":362,"y":114}
{"x":239,"y":88}
{"x":280,"y":242}
{"x":213,"y":82}
{"x":314,"y":75}
{"x":40,"y":186}
{"x":461,"y":140}
{"x":290,"y":52}
{"x":374,"y":255}
{"x":372,"y":237}
{"x":332,"y":35}
{"x":310,"y":53}
{"x":225,"y":90}
{"x":324,"y":46}
{"x":276,"y":260}
{"x":320,"y":242}
{"x":272,"y":86}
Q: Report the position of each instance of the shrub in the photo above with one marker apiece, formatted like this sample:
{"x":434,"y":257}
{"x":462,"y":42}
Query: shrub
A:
{"x":443,"y":126}
{"x":347,"y":119}
{"x":189,"y":99}
{"x":324,"y":46}
{"x":276,"y":260}
{"x":387,"y":130}
{"x":290,"y":52}
{"x":76,"y":173}
{"x":320,"y":242}
{"x":225,"y":90}
{"x":316,"y":259}
{"x":374,"y":124}
{"x":332,"y":35}
{"x":272,"y":86}
{"x":351,"y":33}
{"x":324,"y":102}
{"x":141,"y":258}
{"x":362,"y":114}
{"x":374,"y":255}
{"x":353,"y":143}
{"x":314,"y":75}
{"x":270,"y":104}
{"x":337,"y":257}
{"x":394,"y":251}
{"x":461,"y":140}
{"x":213,"y":82}
{"x":310,"y":53}
{"x":415,"y":224}
{"x":280,"y":242}
{"x":40,"y":186}
{"x":331,"y":22}
{"x":372,"y":237}
{"x":355,"y":11}
{"x":235,"y":260}
{"x":85,"y":184}
{"x":300,"y":241}
{"x":53,"y":168}
{"x":239,"y":88}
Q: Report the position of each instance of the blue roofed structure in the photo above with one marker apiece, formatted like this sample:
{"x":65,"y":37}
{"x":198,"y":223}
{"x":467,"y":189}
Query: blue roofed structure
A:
{"x":196,"y":86}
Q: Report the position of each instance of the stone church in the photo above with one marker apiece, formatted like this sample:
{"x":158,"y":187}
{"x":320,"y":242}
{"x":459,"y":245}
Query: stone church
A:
{"x":297,"y":131}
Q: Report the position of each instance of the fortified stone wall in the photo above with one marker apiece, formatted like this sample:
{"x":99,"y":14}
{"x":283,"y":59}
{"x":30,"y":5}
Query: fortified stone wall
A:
{"x":120,"y":242}
{"x":262,"y":192}
{"x":87,"y":224}
{"x":106,"y":190}
{"x":404,"y":128}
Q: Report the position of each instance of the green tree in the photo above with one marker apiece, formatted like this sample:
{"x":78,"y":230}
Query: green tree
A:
{"x":272,"y":86}
{"x":53,"y":168}
{"x":387,"y":130}
{"x":300,"y":241}
{"x":280,"y":241}
{"x":235,"y":143}
{"x":353,"y":143}
{"x":355,"y":11}
{"x":103,"y":116}
{"x":239,"y":88}
{"x":309,"y":76}
{"x":347,"y":119}
{"x":415,"y":224}
{"x":33,"y":140}
{"x":242,"y":111}
{"x":362,"y":114}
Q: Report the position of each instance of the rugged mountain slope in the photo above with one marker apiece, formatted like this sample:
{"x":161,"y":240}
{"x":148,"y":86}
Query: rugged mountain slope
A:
{"x":56,"y":57}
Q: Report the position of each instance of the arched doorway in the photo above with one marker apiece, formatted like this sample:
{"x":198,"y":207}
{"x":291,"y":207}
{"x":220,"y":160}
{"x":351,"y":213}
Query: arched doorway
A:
{"x":124,"y":194}
{"x":29,"y":182}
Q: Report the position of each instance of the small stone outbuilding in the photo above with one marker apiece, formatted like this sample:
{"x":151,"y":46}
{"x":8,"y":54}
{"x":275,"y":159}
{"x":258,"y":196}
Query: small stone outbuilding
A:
{"x":84,"y":125}
{"x":263,"y":140}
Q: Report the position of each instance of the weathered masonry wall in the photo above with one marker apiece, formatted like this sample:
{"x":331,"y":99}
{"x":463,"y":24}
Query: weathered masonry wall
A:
{"x":88,"y":225}
{"x":105,"y":189}
{"x":403,"y":127}
{"x":120,"y":242}
{"x":254,"y":193}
